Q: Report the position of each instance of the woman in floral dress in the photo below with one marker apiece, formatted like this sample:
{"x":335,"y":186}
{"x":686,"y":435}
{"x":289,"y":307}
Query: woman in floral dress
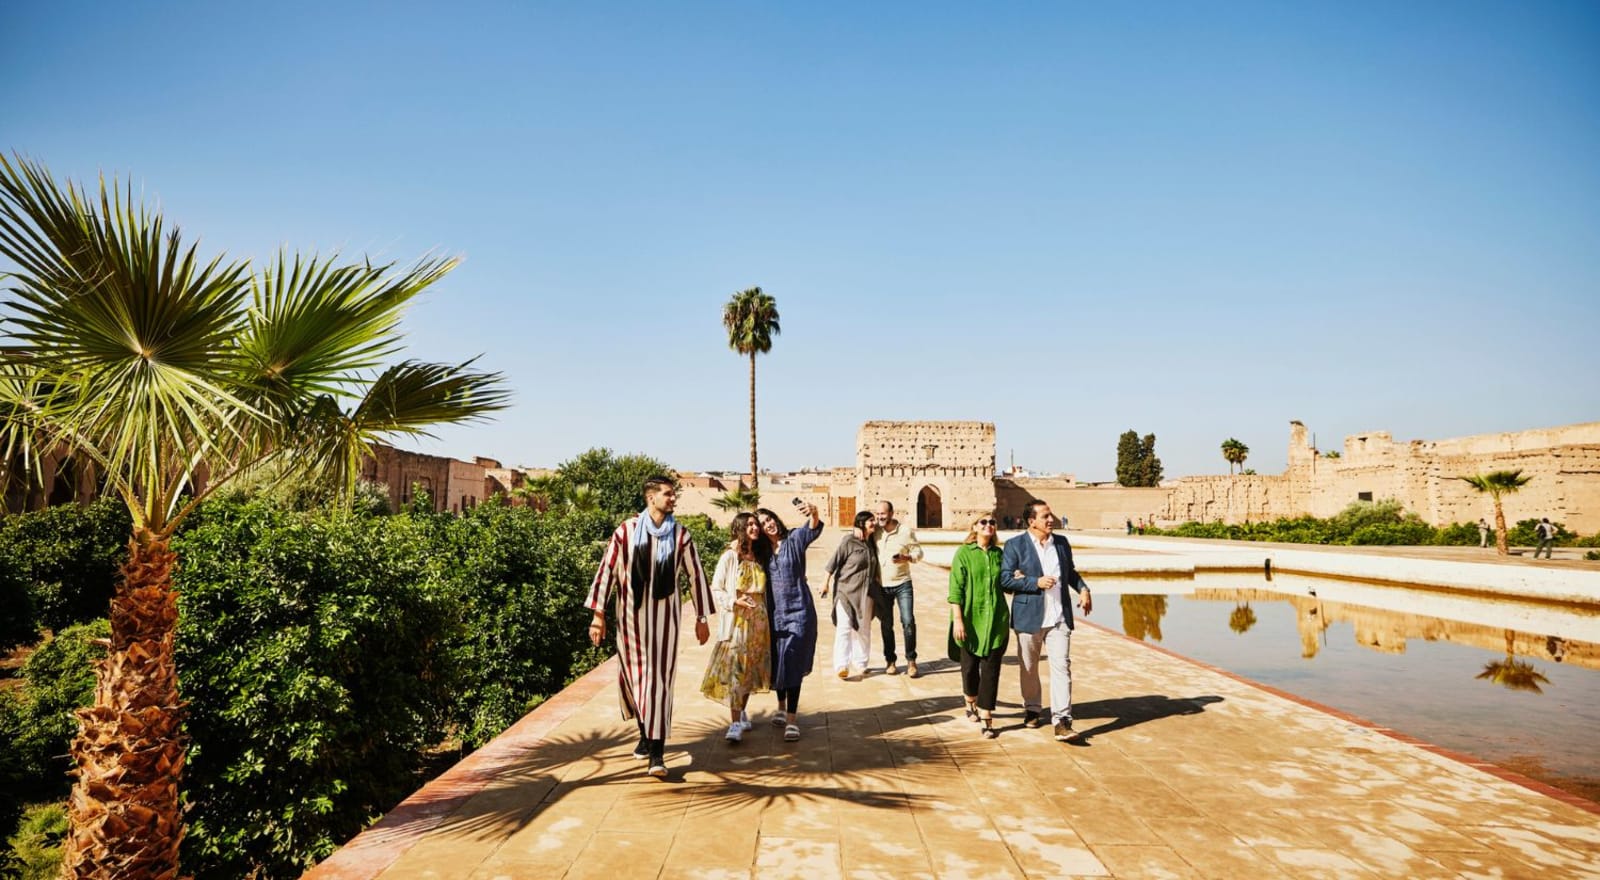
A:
{"x":741,"y":661}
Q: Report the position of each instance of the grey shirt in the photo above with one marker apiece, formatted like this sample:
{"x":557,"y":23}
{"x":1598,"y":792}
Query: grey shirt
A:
{"x":852,"y":567}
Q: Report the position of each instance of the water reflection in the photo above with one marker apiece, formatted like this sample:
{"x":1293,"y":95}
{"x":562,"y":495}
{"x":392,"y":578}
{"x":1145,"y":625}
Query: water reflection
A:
{"x":1242,"y":618}
{"x":1141,"y":616}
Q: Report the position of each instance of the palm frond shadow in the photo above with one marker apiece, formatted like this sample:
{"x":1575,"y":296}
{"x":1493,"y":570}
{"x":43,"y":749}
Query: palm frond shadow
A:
{"x":1126,"y":712}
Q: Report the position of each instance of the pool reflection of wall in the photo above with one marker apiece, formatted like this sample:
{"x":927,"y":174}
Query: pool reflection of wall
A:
{"x":1390,"y":631}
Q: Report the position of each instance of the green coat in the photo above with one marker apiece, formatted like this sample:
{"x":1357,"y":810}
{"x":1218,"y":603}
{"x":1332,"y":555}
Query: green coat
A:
{"x":975,"y":588}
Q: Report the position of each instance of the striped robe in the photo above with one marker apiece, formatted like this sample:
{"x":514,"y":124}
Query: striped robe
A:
{"x":647,"y":639}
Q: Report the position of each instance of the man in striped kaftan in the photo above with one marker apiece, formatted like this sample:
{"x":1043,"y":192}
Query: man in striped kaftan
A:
{"x":637,"y":585}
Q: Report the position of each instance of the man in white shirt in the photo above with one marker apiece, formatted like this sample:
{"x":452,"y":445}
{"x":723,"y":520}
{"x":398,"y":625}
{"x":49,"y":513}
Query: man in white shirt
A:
{"x":1035,"y":565}
{"x":897,"y":549}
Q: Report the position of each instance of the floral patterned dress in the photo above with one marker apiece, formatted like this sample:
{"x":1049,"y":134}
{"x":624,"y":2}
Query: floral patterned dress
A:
{"x":741,"y":665}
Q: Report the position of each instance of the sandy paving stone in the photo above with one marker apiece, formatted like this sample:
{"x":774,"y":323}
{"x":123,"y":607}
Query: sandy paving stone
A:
{"x":1212,"y":850}
{"x":792,"y":858}
{"x":1315,"y":864}
{"x":1150,"y":862}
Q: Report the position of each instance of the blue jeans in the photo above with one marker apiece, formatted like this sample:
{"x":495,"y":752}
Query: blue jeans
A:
{"x":898,"y":594}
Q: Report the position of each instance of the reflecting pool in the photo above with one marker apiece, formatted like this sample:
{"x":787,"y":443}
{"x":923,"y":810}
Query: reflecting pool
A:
{"x":1513,"y":683}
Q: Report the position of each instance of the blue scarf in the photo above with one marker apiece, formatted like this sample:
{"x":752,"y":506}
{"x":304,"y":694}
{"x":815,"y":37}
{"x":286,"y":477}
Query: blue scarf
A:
{"x":659,"y":576}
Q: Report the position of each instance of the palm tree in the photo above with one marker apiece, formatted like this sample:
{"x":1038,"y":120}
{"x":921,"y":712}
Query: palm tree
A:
{"x":174,"y":376}
{"x":1498,"y":483}
{"x":742,"y":498}
{"x":1511,"y":673}
{"x":751,"y":318}
{"x":1235,"y":452}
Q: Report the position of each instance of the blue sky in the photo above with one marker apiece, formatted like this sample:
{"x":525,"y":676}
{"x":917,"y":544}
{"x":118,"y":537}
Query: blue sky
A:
{"x":1196,"y":220}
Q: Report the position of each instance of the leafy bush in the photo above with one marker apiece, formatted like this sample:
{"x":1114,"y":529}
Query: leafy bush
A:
{"x":311,"y":652}
{"x":1363,"y":522}
{"x":1408,"y":532}
{"x":617,"y":483}
{"x":1592,"y":555}
{"x":34,"y":851}
{"x":20,"y":623}
{"x":520,"y":578}
{"x":70,"y":554}
{"x":1460,"y":535}
{"x":37,"y":721}
{"x":1523,"y":534}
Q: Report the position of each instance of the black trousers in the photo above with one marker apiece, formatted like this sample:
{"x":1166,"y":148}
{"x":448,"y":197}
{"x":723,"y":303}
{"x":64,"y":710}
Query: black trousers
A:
{"x":789,"y":699}
{"x":980,"y":677}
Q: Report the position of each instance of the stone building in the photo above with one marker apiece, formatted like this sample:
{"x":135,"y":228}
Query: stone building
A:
{"x":1423,"y":475}
{"x":937,"y":474}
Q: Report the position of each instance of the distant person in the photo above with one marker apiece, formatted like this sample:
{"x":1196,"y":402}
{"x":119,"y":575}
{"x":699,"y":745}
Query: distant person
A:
{"x":851,"y":572}
{"x":639,"y":576}
{"x":793,"y":611}
{"x":1483,"y":532}
{"x":741,"y":661}
{"x":980,"y":622}
{"x":1547,"y":537}
{"x":1037,"y":566}
{"x":1130,"y":526}
{"x":897,"y":549}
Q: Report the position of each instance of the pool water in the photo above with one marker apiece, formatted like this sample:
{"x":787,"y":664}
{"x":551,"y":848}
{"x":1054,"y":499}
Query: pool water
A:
{"x":1511,"y":682}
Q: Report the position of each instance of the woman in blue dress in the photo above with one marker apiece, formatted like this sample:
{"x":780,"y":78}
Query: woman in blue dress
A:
{"x":792,"y":611}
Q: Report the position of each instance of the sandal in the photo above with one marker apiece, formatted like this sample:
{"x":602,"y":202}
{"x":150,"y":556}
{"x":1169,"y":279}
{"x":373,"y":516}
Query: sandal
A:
{"x":988,"y":729}
{"x":972,"y":711}
{"x":780,"y":719}
{"x":791,"y":733}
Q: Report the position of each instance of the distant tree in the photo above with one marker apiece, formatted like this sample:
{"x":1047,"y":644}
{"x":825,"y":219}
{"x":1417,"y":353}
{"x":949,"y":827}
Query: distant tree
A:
{"x":600,"y":479}
{"x":1498,"y":483}
{"x":1334,"y":454}
{"x":1150,"y":466}
{"x":1137,"y":464}
{"x":1248,"y":472}
{"x":751,"y":319}
{"x":1128,"y":455}
{"x":742,"y":498}
{"x":1235,"y":452}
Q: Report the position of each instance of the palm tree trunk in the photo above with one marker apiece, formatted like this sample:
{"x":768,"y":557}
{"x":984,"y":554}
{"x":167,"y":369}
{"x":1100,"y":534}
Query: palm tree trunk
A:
{"x":1500,"y":529}
{"x":753,"y":471}
{"x":125,"y":818}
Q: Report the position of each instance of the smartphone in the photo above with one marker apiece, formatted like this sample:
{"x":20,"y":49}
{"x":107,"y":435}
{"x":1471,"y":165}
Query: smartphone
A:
{"x":797,"y":502}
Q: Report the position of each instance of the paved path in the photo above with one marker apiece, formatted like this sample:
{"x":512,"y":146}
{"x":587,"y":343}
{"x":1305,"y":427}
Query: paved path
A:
{"x":1186,"y":772}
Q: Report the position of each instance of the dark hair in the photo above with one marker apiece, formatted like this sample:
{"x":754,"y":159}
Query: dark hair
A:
{"x":1033,"y":509}
{"x":655,"y":484}
{"x":759,"y":549}
{"x":783,"y":530}
{"x":863,"y":518}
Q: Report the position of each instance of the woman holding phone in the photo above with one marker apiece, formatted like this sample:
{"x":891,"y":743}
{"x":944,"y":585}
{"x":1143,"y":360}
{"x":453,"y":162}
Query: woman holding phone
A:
{"x":793,"y":612}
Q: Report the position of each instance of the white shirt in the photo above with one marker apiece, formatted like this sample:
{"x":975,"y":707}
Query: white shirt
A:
{"x":1050,"y":562}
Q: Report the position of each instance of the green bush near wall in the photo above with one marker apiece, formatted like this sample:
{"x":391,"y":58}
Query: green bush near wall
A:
{"x":69,"y":555}
{"x":1367,"y":523}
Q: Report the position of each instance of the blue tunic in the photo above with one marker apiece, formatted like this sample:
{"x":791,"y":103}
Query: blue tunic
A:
{"x":793,"y":611}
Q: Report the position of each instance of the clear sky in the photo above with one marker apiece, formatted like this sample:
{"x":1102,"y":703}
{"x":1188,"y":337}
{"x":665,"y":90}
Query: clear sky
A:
{"x":1200,"y":220}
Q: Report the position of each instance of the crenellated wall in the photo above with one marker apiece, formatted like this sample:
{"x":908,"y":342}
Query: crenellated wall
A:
{"x":936,"y":474}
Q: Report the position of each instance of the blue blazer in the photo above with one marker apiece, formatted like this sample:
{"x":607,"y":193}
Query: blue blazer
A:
{"x":1027,"y":603}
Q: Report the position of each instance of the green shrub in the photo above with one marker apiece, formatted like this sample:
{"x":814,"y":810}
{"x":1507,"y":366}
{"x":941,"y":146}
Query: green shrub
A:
{"x":1523,"y":534}
{"x":1592,"y":555}
{"x":37,"y":721}
{"x":312,"y":653}
{"x":520,"y":578}
{"x":1460,"y":535}
{"x":34,"y":850}
{"x":70,"y":554}
{"x":1407,"y":532}
{"x":1591,"y":541}
{"x":19,"y":625}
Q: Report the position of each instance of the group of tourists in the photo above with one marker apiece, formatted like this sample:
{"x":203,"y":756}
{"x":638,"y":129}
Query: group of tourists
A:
{"x":767,"y":631}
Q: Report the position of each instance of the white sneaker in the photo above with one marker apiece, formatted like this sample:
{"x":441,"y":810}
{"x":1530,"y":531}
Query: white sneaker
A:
{"x":744,"y":720}
{"x":735,"y":732}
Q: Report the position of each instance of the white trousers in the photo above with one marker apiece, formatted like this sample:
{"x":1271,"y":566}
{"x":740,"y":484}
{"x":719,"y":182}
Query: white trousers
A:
{"x":850,"y":647}
{"x":1056,"y":641}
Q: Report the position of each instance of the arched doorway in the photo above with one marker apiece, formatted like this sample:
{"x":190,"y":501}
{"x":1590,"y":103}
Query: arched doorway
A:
{"x":930,"y":509}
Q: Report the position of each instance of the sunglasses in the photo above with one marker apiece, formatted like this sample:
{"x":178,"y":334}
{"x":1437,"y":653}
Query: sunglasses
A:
{"x":987,"y":522}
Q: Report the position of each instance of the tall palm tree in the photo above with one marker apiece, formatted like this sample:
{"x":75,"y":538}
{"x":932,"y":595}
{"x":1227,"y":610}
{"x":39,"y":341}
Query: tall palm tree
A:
{"x":1511,"y":673}
{"x":742,"y":498}
{"x":1235,"y":452}
{"x":751,"y":319}
{"x":174,"y":375}
{"x":1498,"y":483}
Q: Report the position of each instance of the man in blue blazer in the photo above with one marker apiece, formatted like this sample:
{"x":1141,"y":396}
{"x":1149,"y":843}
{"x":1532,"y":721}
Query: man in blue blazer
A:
{"x":1037,"y":566}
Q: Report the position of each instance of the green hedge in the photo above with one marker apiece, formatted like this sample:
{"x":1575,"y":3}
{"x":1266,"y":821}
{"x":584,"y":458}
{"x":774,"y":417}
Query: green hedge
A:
{"x":70,"y":556}
{"x":1366,"y":523}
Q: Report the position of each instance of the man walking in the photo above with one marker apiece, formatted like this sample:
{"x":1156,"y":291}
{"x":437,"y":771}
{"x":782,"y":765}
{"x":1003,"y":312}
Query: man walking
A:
{"x":1037,"y":566}
{"x":897,"y":549}
{"x":1547,"y":537}
{"x":1483,"y":533}
{"x":640,"y":571}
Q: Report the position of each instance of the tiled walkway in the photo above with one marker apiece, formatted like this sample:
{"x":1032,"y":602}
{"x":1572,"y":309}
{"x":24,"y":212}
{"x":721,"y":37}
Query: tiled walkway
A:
{"x":1186,"y":772}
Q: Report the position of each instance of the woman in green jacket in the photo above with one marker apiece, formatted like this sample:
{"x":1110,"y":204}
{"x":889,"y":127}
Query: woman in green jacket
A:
{"x":980,"y":622}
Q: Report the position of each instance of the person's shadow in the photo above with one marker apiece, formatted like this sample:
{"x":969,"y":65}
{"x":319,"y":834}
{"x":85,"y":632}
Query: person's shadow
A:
{"x":1126,"y":712}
